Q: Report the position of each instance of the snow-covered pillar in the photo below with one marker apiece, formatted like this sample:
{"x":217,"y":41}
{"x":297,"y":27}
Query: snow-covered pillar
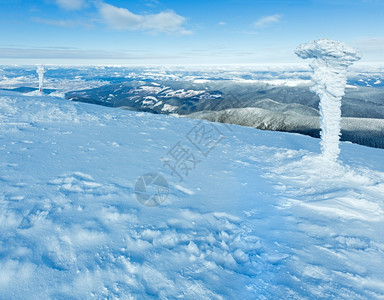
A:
{"x":41,"y":71}
{"x":331,"y":61}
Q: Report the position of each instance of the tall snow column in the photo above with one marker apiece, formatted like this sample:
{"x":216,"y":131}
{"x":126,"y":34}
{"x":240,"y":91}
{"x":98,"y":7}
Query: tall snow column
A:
{"x":41,"y":71}
{"x":330,"y":64}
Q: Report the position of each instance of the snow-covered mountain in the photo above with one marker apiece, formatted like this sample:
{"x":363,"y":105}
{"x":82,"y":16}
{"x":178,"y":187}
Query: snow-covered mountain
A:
{"x":186,"y":90}
{"x":243,"y":214}
{"x":190,"y":97}
{"x":273,"y":107}
{"x":363,"y":131}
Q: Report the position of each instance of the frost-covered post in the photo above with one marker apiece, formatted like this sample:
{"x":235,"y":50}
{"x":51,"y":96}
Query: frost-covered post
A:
{"x":41,"y":71}
{"x":331,"y":61}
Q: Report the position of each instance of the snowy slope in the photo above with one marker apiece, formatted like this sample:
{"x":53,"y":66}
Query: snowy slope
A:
{"x":257,"y":216}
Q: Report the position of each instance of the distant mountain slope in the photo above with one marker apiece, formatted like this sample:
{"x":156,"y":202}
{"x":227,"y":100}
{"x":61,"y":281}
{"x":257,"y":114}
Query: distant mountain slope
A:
{"x":364,"y":131}
{"x":274,"y":107}
{"x":189,"y":97}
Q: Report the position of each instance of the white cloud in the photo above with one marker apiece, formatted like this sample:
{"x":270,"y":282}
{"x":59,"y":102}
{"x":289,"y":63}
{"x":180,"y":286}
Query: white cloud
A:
{"x":371,"y":48}
{"x":71,"y":53}
{"x":152,"y":3}
{"x":120,"y":18}
{"x":370,"y":44}
{"x":71,"y":4}
{"x":123,"y":19}
{"x":63,"y":23}
{"x":222,"y":23}
{"x":267,"y":21}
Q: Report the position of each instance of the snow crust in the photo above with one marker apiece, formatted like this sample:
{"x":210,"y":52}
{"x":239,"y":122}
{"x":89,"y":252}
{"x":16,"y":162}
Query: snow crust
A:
{"x":331,"y":60}
{"x":258,"y":218}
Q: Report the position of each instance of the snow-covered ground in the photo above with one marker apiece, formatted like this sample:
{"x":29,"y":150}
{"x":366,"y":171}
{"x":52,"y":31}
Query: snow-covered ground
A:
{"x":247,"y":214}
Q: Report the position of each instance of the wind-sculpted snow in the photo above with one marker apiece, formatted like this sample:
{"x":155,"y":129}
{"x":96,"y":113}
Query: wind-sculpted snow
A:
{"x":332,"y":59}
{"x":41,"y":71}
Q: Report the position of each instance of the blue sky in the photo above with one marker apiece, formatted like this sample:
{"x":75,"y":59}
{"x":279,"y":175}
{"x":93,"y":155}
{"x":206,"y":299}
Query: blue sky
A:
{"x":183,"y":32}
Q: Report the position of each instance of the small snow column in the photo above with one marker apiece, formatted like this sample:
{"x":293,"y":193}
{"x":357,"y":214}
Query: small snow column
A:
{"x":331,"y":61}
{"x":40,"y":71}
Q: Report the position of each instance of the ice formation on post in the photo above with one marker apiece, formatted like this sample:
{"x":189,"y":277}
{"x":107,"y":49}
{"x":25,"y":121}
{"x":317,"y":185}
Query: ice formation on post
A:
{"x":331,"y":61}
{"x":40,"y":71}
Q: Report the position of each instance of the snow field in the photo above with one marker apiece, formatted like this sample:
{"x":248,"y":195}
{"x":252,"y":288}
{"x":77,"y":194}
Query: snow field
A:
{"x":260,"y":217}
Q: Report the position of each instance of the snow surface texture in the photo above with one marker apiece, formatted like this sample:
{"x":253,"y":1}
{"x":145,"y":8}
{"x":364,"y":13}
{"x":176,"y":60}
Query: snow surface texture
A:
{"x":258,"y":218}
{"x":332,"y":59}
{"x":41,"y":71}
